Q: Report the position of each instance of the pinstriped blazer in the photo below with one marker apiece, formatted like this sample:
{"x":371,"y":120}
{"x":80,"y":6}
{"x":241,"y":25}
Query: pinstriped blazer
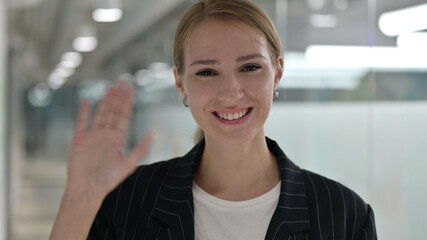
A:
{"x":156,"y":202}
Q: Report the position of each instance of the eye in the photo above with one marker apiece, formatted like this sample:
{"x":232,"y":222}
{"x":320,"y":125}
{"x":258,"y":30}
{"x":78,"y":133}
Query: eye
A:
{"x":251,"y":68}
{"x":206,"y":73}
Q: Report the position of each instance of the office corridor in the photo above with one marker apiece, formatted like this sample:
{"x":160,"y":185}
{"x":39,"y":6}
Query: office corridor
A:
{"x":42,"y":184}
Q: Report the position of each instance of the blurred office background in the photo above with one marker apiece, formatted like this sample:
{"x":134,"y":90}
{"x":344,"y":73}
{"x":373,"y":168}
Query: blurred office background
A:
{"x":352,"y":106}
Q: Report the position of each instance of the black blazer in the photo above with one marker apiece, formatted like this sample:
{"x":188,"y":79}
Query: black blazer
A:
{"x":156,"y":202}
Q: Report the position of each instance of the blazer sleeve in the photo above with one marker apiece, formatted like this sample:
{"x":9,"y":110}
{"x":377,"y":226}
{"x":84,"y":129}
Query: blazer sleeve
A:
{"x":369,"y":230}
{"x":125,"y":211}
{"x":101,"y":226}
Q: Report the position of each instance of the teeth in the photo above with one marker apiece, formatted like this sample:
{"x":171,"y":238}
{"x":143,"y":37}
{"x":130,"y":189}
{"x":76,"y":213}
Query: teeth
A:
{"x":231,"y":116}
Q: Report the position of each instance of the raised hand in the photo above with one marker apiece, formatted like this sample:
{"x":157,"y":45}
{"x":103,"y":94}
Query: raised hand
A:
{"x":96,"y":162}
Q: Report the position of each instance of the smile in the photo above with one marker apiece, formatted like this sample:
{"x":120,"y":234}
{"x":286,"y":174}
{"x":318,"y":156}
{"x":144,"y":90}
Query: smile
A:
{"x":231,"y":116}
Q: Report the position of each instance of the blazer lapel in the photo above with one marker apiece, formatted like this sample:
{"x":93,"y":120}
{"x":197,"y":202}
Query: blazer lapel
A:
{"x":291,"y":214}
{"x":174,"y":206}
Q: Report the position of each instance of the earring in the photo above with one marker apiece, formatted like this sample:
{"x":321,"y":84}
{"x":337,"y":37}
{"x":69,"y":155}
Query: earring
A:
{"x":275,"y":94}
{"x":185,"y":102}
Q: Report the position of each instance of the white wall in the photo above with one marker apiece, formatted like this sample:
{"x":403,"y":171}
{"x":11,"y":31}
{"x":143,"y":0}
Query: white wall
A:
{"x":3,"y":85}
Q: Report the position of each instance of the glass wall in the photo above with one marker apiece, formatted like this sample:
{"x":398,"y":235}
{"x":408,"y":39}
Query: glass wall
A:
{"x":352,"y":102}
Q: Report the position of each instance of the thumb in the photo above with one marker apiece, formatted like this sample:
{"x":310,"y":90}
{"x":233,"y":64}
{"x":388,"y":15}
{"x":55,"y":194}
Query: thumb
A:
{"x":141,"y":150}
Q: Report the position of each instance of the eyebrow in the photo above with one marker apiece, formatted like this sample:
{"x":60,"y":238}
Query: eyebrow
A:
{"x":239,"y":59}
{"x":249,"y":57}
{"x":205,"y":62}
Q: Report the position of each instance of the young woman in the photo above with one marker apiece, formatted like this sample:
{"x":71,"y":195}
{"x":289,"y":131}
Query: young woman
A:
{"x":235,"y":183}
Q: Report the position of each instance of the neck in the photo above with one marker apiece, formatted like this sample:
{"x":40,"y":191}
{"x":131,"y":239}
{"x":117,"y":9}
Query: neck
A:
{"x":237,"y":172}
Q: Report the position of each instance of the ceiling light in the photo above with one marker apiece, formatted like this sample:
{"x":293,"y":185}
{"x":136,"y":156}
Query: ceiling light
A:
{"x":365,"y":57}
{"x":64,"y":72}
{"x":107,"y":14}
{"x":404,"y":20}
{"x":415,"y":41}
{"x":55,"y":80}
{"x":323,"y":21}
{"x":65,"y":64}
{"x":71,"y":59}
{"x":85,"y":44}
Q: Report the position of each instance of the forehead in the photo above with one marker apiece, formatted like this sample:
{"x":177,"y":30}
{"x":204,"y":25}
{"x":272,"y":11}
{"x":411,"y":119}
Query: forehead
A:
{"x":216,"y":38}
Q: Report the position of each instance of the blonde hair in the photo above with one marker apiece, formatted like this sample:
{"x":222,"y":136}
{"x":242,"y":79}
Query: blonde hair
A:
{"x":239,"y":10}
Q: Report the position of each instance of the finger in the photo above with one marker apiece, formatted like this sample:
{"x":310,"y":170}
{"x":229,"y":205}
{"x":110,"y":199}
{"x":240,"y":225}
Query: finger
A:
{"x":83,"y":115}
{"x":123,"y":107}
{"x":104,"y":109}
{"x":115,"y":104}
{"x":123,"y":115}
{"x":141,"y":150}
{"x":101,"y":110}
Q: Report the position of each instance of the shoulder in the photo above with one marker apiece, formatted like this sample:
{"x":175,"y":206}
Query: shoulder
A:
{"x":333,"y":206}
{"x":325,"y":189}
{"x":121,"y":211}
{"x":145,"y":181}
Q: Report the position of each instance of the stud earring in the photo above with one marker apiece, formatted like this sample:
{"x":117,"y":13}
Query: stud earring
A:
{"x":275,"y":94}
{"x":185,"y":102}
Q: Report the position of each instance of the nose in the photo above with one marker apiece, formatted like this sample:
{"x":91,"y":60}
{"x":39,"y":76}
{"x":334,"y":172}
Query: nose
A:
{"x":231,"y":89}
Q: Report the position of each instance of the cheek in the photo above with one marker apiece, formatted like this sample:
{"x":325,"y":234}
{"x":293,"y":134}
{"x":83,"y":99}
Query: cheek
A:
{"x":200,"y":90}
{"x":197,"y":93}
{"x":199,"y":96}
{"x":262,"y":87}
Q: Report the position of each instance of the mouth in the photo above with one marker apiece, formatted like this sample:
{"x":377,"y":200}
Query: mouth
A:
{"x":233,"y":115}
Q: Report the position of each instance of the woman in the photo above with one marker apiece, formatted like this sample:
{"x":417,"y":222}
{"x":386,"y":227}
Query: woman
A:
{"x":235,"y":183}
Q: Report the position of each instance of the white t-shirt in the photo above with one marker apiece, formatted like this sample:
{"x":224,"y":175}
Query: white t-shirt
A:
{"x":220,"y":219}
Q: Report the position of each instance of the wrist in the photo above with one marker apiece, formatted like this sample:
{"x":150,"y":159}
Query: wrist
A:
{"x":82,"y":197}
{"x":88,"y":192}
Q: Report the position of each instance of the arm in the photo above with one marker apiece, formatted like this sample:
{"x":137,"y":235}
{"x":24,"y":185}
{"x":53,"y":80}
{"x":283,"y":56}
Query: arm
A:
{"x":96,"y":164}
{"x":75,"y":216}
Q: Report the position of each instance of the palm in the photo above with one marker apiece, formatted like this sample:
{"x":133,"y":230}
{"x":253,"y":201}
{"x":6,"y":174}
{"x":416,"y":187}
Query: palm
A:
{"x":96,"y":161}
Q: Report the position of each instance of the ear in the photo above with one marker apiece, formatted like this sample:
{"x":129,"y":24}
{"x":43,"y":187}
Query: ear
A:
{"x":178,"y":81}
{"x":279,"y":72}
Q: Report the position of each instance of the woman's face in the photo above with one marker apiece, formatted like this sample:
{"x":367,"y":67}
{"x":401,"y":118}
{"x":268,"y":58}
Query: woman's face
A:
{"x":228,"y":79}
